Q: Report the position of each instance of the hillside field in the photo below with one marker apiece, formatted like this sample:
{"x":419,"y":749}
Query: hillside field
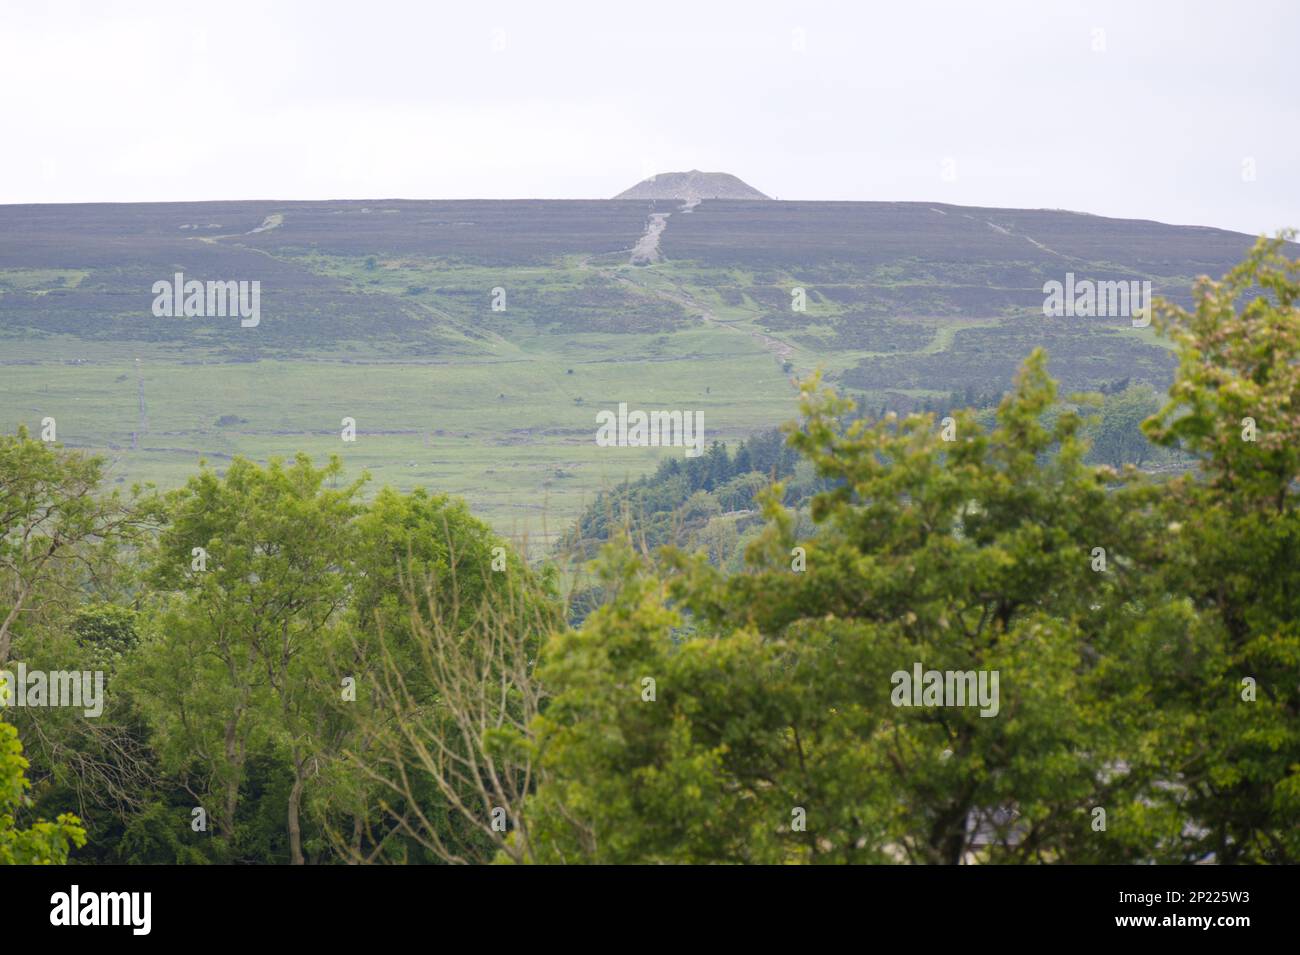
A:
{"x":383,"y":312}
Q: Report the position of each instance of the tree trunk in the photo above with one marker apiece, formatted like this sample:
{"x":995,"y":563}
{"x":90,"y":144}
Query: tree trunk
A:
{"x":233,"y":761}
{"x":6,"y":634}
{"x":295,"y":827}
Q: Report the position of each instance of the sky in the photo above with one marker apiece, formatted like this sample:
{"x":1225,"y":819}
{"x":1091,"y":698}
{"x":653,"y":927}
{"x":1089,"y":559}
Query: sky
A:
{"x":1185,"y":113}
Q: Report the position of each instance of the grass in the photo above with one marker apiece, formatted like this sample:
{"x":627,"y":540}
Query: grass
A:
{"x":509,"y":434}
{"x":40,"y":281}
{"x":507,"y":421}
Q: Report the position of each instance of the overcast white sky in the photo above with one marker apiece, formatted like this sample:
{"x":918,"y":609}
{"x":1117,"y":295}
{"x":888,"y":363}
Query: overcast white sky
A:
{"x":230,"y":100}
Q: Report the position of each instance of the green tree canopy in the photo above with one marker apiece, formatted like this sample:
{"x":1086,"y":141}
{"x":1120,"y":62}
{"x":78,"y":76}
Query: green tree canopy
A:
{"x":41,"y":843}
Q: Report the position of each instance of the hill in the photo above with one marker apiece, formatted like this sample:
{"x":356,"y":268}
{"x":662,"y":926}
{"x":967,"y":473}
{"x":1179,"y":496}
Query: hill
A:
{"x":474,"y":342}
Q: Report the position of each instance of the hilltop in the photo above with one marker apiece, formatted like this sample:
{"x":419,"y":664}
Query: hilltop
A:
{"x":692,"y":187}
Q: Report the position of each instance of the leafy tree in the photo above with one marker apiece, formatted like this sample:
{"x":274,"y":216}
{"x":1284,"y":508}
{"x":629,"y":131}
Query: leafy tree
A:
{"x":973,"y":555}
{"x":64,"y":542}
{"x":236,"y":665}
{"x":449,"y":620}
{"x":628,"y":778}
{"x":108,"y":631}
{"x":1235,"y":551}
{"x":1117,"y":437}
{"x":100,"y":764}
{"x":51,"y":517}
{"x":41,"y":843}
